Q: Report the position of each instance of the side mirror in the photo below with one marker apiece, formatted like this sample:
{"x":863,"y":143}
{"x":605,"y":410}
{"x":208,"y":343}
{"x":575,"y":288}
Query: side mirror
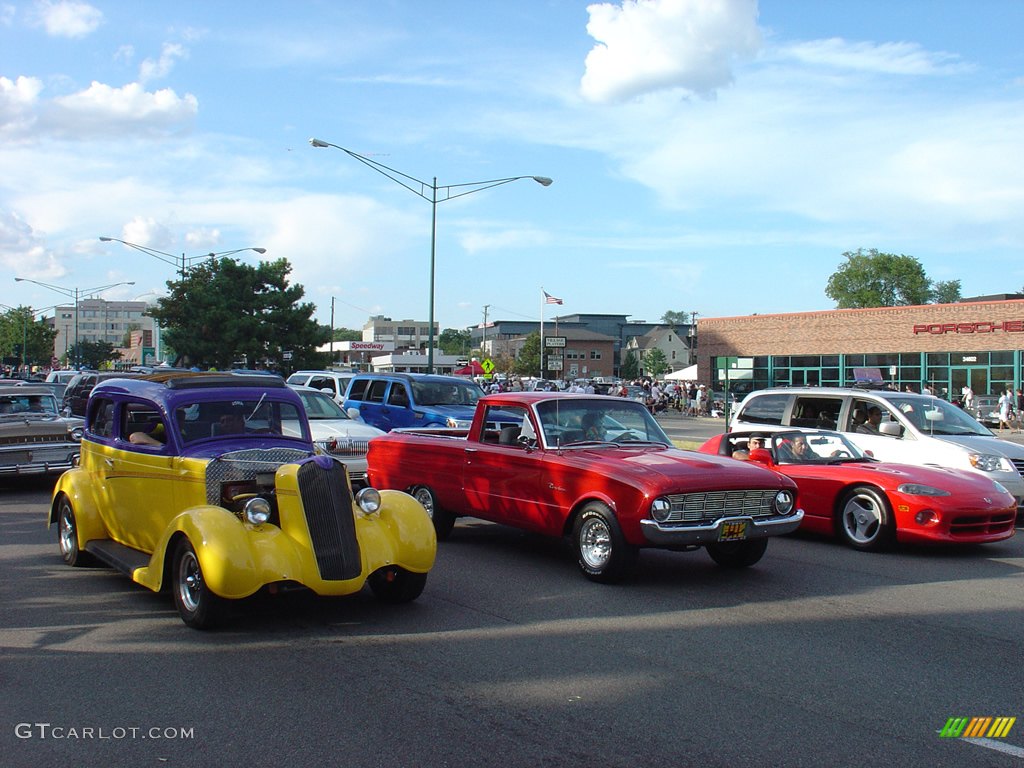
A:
{"x":353,"y":413}
{"x":890,"y":428}
{"x":762,"y":456}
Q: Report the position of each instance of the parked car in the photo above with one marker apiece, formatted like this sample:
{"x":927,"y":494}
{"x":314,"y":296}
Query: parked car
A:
{"x":76,"y":394}
{"x":596,"y":469}
{"x":189,"y":481}
{"x":393,"y":400}
{"x":914,"y":429}
{"x":34,"y":437}
{"x":334,"y":383}
{"x":335,"y":432}
{"x":870,"y":504}
{"x":986,"y":409}
{"x":61,"y":376}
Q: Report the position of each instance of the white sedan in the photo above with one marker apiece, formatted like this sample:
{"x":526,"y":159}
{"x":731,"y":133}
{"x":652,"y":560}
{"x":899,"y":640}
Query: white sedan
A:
{"x":336,"y":433}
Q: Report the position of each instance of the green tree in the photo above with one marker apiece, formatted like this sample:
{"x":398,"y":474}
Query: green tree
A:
{"x":675,"y":319}
{"x":630,"y":368}
{"x":223,"y":312}
{"x":453,"y":342}
{"x":655,"y":363}
{"x":18,"y":328}
{"x":946,"y":292}
{"x":528,"y":359}
{"x":93,"y":354}
{"x":347,"y":334}
{"x":873,"y":279}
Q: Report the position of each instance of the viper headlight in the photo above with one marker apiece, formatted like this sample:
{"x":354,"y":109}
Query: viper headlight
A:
{"x":257,"y":510}
{"x":918,"y":489}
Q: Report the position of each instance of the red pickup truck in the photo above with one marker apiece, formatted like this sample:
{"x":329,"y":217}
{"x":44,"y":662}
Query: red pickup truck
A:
{"x":597,"y":469}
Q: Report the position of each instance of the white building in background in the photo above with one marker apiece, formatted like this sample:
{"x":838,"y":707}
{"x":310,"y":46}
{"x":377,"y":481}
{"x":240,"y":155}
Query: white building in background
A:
{"x":402,"y":334}
{"x":99,"y":320}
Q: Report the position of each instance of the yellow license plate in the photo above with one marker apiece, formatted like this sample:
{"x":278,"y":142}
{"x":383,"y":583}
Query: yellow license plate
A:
{"x":733,"y":531}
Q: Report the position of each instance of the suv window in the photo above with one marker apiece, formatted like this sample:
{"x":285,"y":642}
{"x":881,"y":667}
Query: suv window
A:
{"x":323,"y":382}
{"x":358,"y":389}
{"x":398,"y":396}
{"x":816,"y":411}
{"x":375,"y":394}
{"x":766,"y":409}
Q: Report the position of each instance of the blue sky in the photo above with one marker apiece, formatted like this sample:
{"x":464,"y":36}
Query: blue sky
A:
{"x":707,"y":156}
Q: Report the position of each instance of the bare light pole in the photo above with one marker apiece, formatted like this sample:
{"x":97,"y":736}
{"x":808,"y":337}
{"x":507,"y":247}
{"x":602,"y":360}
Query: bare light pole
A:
{"x":420,"y":189}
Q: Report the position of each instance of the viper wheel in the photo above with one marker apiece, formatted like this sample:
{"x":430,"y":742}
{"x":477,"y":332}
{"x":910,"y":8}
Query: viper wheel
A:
{"x":443,"y":521}
{"x":602,"y":552}
{"x":198,"y":607}
{"x":737,"y":554}
{"x":397,"y":585}
{"x":865,"y":519}
{"x":67,"y":534}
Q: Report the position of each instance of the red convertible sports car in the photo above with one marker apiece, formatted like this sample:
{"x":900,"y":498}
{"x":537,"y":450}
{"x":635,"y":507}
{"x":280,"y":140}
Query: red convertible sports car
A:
{"x":871,"y":504}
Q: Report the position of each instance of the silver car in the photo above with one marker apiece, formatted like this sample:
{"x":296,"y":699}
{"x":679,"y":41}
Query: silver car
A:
{"x":337,"y":434}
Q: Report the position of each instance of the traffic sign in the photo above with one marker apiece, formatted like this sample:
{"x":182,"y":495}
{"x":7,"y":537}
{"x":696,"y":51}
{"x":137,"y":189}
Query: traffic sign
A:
{"x":487,"y":365}
{"x":554,"y":341}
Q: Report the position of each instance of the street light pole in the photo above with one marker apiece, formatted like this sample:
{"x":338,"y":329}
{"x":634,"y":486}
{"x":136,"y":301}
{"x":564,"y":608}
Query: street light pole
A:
{"x":420,"y":189}
{"x":183,"y":262}
{"x":77,"y":294}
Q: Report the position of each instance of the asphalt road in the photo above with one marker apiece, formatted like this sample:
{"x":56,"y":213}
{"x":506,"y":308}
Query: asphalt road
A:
{"x":817,"y":656}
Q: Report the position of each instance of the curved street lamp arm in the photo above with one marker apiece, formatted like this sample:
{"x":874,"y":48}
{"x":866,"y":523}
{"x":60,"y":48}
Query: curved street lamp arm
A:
{"x":384,"y":170}
{"x":168,"y":258}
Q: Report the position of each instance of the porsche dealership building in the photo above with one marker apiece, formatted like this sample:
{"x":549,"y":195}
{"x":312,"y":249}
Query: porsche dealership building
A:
{"x":976,"y":342}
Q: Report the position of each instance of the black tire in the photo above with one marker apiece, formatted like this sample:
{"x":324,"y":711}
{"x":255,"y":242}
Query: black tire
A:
{"x":602,"y":553}
{"x":737,"y":554}
{"x":67,"y":535}
{"x":198,"y":607}
{"x":864,"y":519}
{"x":396,"y":585}
{"x":443,"y":520}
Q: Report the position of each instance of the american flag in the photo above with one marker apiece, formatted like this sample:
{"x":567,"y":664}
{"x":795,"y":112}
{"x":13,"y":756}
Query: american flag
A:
{"x":549,"y":299}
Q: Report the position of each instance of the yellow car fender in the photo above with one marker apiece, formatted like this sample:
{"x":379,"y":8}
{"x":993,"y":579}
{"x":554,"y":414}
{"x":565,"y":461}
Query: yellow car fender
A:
{"x":401,"y":534}
{"x":236,"y":558}
{"x":78,"y":487}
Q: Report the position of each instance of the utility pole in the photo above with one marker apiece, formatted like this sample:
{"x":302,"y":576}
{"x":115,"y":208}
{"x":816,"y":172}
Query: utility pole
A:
{"x":483,"y":336}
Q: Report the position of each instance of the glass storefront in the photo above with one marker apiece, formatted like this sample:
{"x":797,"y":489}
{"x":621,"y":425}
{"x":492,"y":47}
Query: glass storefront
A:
{"x":946,"y":372}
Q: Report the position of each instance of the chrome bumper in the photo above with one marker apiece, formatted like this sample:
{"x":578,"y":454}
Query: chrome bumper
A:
{"x":691,"y":535}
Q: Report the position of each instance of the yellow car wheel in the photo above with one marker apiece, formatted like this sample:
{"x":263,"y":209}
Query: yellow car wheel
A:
{"x":198,"y":606}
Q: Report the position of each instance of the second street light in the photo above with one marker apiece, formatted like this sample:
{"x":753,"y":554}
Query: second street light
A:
{"x":182,"y":262}
{"x":77,"y":294}
{"x":433,"y":194}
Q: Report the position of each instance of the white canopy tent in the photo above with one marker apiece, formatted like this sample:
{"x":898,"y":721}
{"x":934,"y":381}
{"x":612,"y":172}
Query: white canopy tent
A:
{"x":686,"y":374}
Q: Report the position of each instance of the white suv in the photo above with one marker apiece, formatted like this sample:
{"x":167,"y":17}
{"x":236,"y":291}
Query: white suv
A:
{"x":333,"y":382}
{"x":914,"y":429}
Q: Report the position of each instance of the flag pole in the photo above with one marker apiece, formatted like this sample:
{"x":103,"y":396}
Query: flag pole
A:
{"x":543,"y":301}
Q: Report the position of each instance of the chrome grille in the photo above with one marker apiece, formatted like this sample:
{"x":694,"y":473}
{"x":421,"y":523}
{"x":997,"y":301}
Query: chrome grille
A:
{"x":711,"y":505}
{"x":344,"y":446}
{"x":1018,"y":464}
{"x":246,"y":465}
{"x":327,"y":504}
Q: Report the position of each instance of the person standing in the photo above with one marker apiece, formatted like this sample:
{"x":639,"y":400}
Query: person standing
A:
{"x":1006,"y":404}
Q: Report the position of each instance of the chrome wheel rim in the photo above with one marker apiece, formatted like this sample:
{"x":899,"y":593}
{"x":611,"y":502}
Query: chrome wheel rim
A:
{"x":190,"y":582}
{"x":595,"y":543}
{"x":67,"y":536}
{"x":862,"y":519}
{"x":426,"y":498}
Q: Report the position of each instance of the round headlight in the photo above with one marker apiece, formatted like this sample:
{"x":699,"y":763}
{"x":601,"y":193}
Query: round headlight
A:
{"x":784,"y":502}
{"x":368,"y":500}
{"x":257,"y":511}
{"x":660,"y":509}
{"x":76,"y":433}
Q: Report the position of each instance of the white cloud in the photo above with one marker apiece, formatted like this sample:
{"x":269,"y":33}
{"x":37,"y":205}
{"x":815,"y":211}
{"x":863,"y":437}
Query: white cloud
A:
{"x":18,"y":100}
{"x":151,"y":70}
{"x":67,"y":18}
{"x":887,"y":58}
{"x":22,"y":250}
{"x":104,"y":110}
{"x":652,"y":45}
